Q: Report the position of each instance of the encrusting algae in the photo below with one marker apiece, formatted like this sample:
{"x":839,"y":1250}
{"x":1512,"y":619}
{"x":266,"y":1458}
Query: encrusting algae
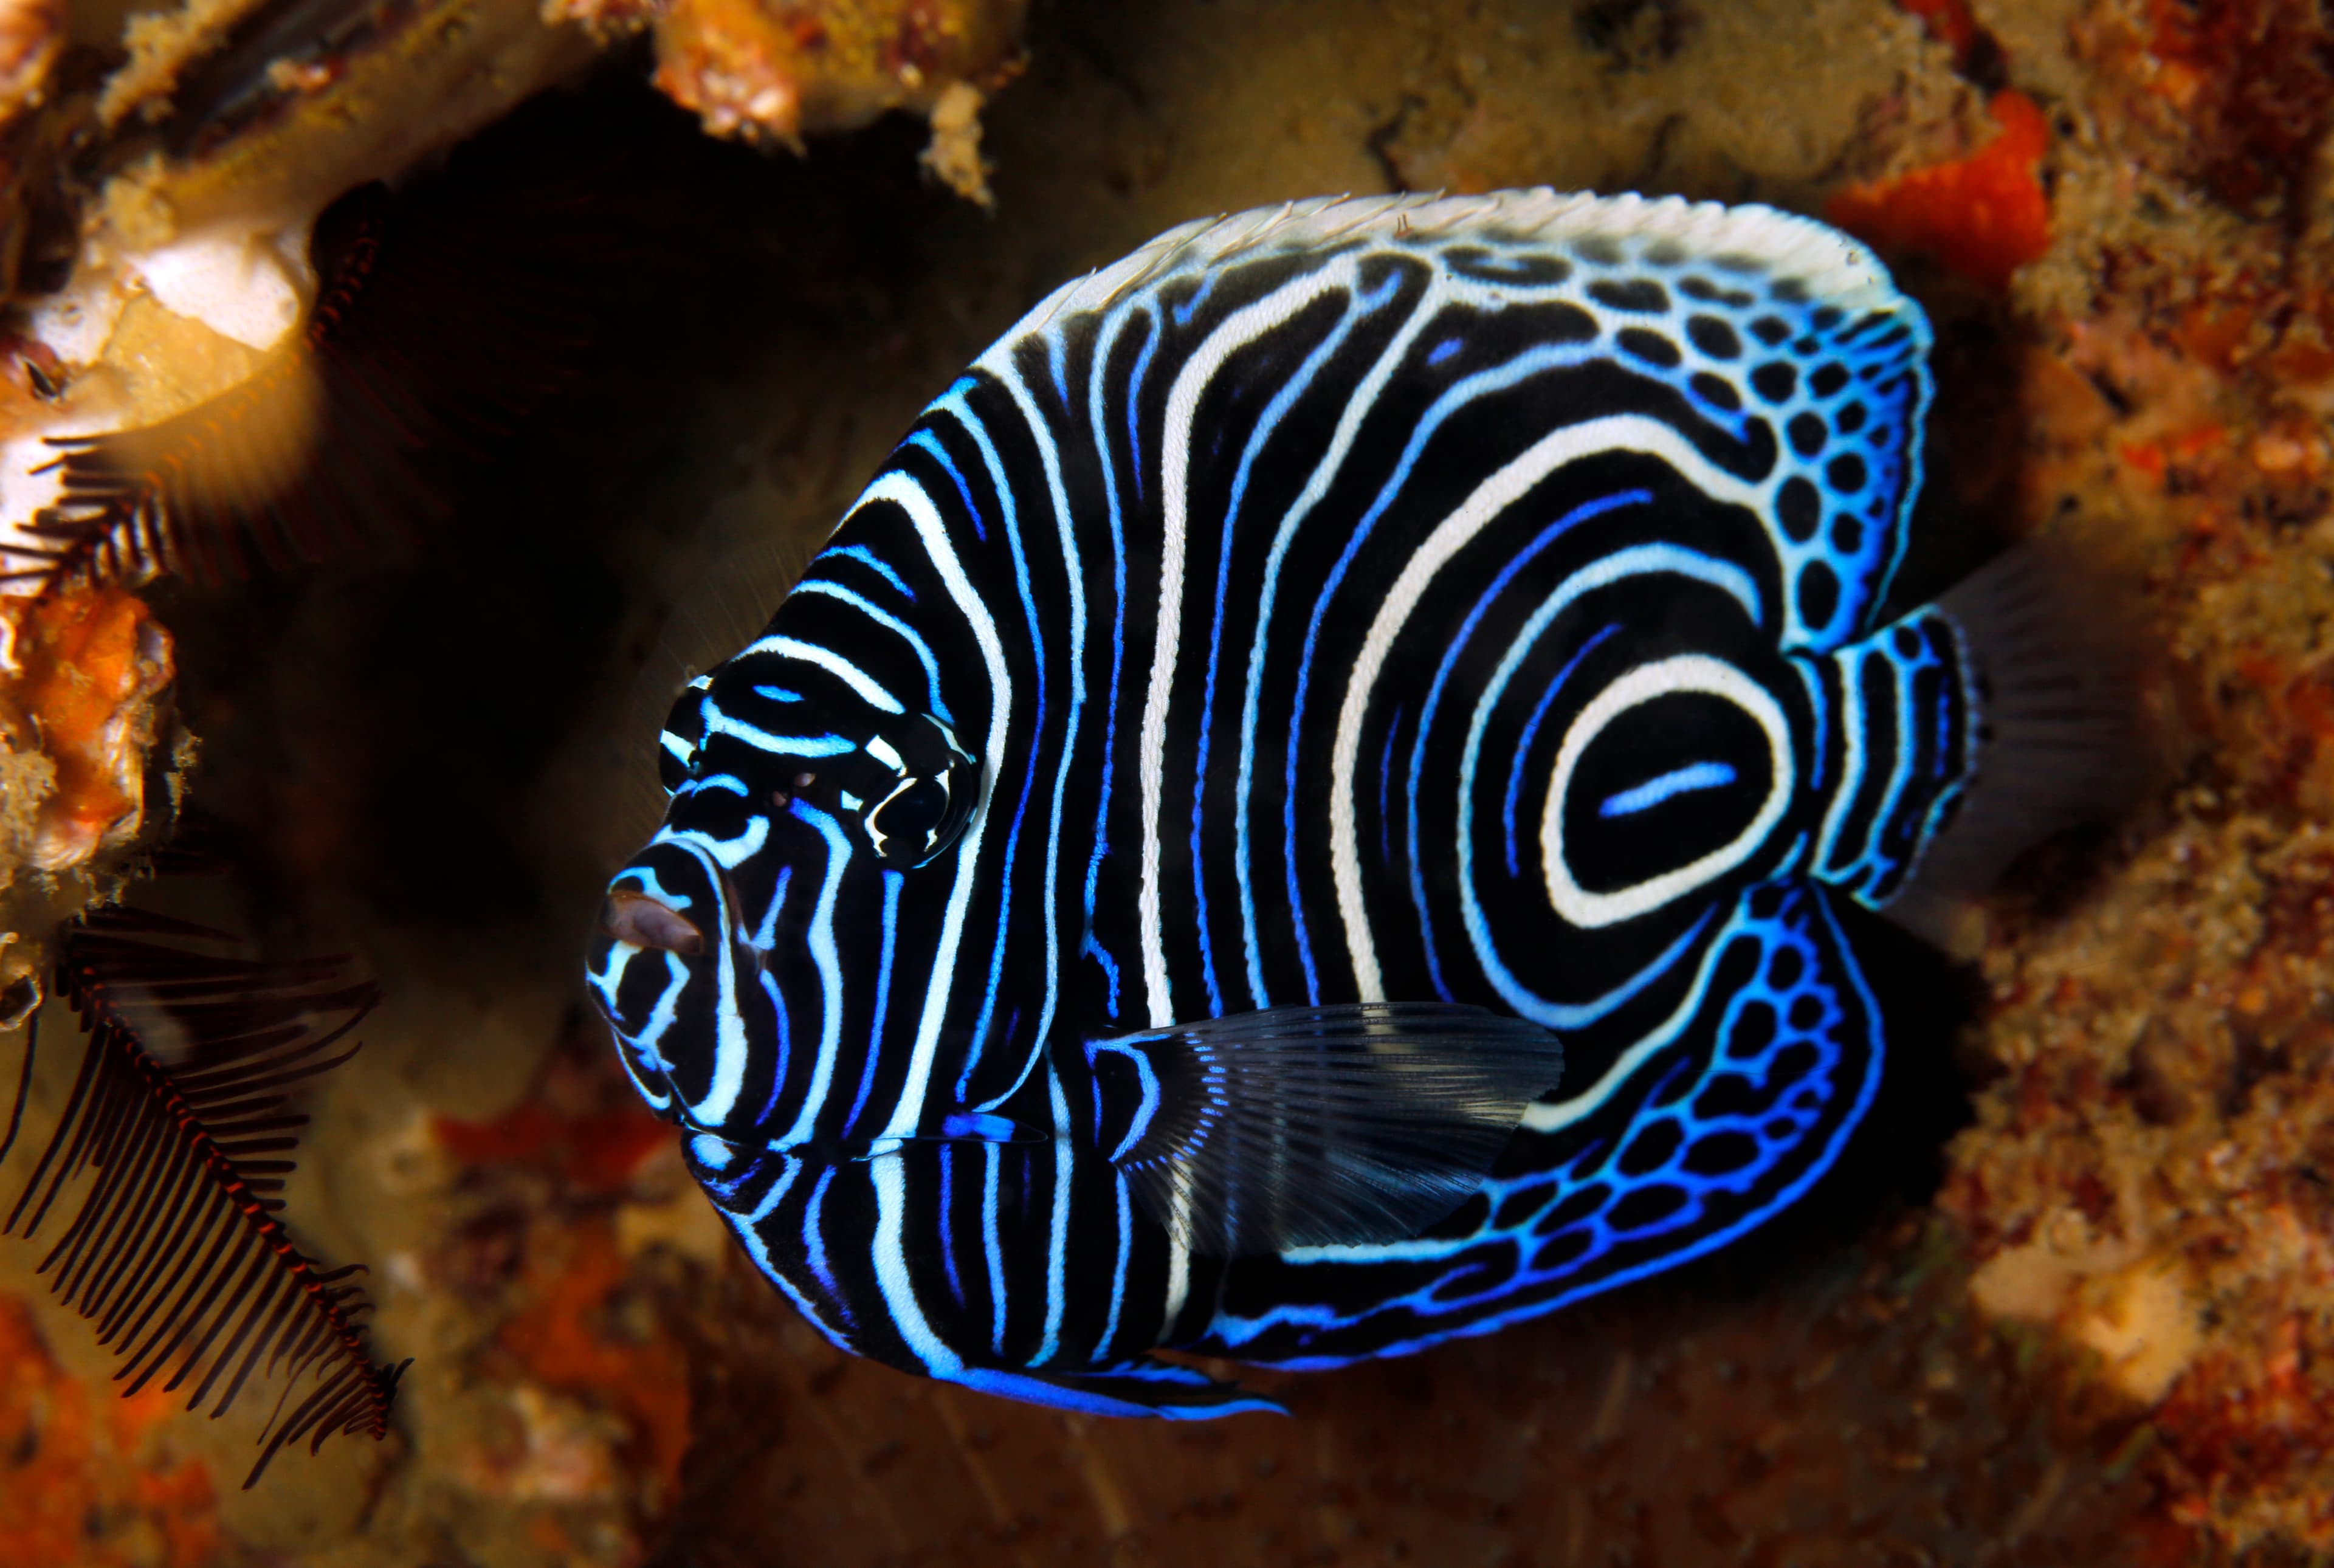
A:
{"x":88,"y":700}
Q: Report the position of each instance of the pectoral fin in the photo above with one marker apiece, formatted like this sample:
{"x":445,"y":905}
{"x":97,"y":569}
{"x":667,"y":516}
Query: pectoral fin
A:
{"x":1316,"y":1126}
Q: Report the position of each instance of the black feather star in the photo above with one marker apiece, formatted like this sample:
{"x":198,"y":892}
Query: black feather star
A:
{"x":178,"y":1137}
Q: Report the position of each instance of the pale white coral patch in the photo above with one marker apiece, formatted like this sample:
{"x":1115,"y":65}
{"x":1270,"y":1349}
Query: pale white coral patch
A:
{"x":249,"y":285}
{"x":76,"y":321}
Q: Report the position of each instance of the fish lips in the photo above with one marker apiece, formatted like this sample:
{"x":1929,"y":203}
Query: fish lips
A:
{"x":649,"y":967}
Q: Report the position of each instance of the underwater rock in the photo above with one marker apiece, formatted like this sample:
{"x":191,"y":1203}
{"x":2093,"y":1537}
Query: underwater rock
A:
{"x":206,"y":159}
{"x":86,"y":686}
{"x":229,"y":130}
{"x":83,"y":697}
{"x":776,"y":72}
{"x":32,"y":35}
{"x":2146,"y":1178}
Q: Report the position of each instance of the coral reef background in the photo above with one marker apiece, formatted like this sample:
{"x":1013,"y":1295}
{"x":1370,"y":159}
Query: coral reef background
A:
{"x":2072,"y":1303}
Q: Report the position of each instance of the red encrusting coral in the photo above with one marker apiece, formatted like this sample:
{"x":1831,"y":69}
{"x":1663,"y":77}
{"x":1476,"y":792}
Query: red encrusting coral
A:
{"x":1983,"y":217}
{"x":89,"y":666}
{"x":2238,"y":1427}
{"x":580,"y":1340}
{"x":77,"y":1487}
{"x":596,"y":1151}
{"x":566,"y":1339}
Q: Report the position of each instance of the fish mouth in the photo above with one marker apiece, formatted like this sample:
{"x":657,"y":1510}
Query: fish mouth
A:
{"x":648,"y":968}
{"x":628,"y":916}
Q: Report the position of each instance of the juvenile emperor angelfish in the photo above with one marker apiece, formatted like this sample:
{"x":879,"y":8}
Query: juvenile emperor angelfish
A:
{"x":1306,"y":810}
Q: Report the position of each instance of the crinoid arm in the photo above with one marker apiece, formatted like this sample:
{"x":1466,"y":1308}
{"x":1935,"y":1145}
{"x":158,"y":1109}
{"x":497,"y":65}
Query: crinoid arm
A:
{"x":170,"y":1156}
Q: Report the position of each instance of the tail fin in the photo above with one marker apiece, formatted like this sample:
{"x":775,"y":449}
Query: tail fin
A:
{"x":2053,"y":649}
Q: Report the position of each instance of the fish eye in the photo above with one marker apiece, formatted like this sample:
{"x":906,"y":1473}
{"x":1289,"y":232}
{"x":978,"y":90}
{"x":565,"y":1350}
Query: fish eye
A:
{"x":683,"y":733}
{"x":910,"y":814}
{"x":935,"y":783}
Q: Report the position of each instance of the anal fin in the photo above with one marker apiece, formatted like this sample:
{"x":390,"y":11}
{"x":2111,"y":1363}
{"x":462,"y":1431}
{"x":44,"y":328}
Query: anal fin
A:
{"x":1141,"y":1387}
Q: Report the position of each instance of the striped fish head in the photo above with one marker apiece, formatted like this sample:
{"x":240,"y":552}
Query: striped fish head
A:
{"x":757,"y":915}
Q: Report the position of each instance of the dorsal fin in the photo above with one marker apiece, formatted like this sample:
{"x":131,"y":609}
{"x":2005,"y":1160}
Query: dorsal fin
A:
{"x":1779,"y":331}
{"x":1610,"y":230}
